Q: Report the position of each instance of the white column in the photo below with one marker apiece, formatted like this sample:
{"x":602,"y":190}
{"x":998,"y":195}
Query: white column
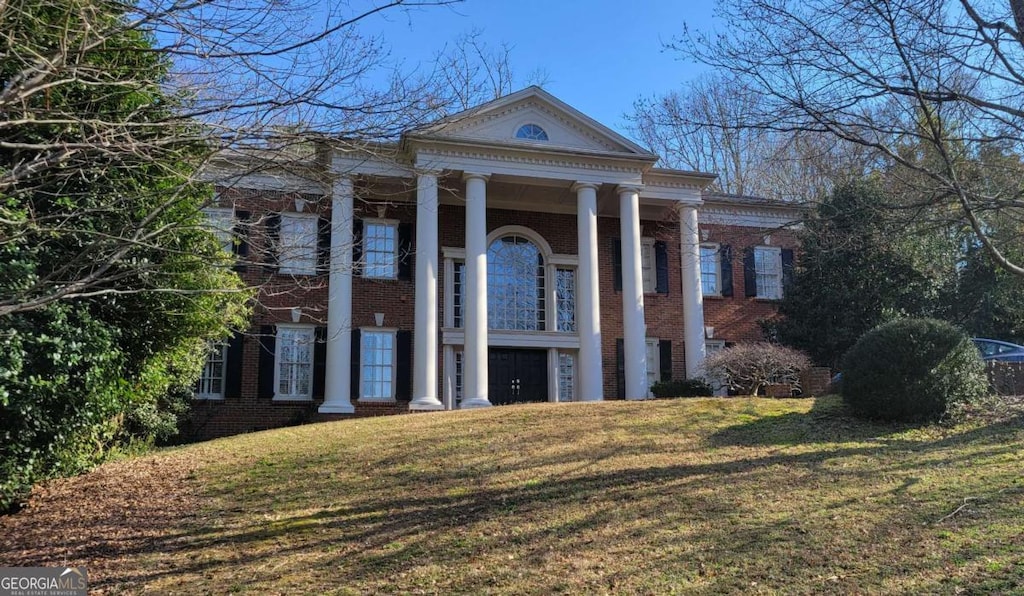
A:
{"x":474,"y":363}
{"x":588,"y":295}
{"x":424,"y":381}
{"x":634,"y":330}
{"x":693,"y":294}
{"x":338,"y":376}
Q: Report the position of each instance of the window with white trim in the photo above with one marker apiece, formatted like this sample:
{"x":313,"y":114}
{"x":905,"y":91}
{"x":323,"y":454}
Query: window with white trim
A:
{"x":653,"y":363}
{"x":566,"y":376}
{"x":294,"y":362}
{"x":221,"y":223}
{"x":380,"y":249}
{"x":211,"y":382}
{"x":531,"y":132}
{"x":565,"y":297}
{"x":647,"y":265}
{"x":515,"y":285}
{"x":458,"y":377}
{"x":710,"y":270}
{"x":458,"y":282}
{"x":377,"y":373}
{"x":298,"y":251}
{"x":768,"y":268}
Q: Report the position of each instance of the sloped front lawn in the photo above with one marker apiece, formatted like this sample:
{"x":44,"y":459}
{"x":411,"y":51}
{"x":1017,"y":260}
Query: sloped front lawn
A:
{"x":740,"y":495}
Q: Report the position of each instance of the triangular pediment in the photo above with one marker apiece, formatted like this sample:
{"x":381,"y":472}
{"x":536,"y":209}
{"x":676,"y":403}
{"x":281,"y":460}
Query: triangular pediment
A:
{"x":497,"y":122}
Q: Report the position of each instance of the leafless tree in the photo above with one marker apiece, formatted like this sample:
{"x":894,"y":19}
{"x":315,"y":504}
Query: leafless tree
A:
{"x":473,"y":72}
{"x":704,"y":126}
{"x":277,"y":78}
{"x":932,"y":87}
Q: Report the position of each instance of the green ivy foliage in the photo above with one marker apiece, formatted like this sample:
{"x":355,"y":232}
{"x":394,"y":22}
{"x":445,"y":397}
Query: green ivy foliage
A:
{"x":912,"y":370}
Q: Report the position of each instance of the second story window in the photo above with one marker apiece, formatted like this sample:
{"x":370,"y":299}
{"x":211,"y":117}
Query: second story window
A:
{"x":380,"y":249}
{"x":709,"y":270}
{"x":298,"y":249}
{"x":768,"y":268}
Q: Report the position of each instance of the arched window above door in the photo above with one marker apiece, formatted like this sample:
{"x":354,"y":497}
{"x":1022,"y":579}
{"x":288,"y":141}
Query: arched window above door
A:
{"x":516,"y":296}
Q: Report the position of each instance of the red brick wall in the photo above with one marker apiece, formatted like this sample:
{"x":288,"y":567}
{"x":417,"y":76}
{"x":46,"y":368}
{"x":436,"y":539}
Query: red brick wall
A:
{"x":736,"y":319}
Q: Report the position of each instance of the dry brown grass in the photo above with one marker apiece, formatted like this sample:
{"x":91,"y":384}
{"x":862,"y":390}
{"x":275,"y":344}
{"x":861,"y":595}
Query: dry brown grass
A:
{"x":738,"y":495}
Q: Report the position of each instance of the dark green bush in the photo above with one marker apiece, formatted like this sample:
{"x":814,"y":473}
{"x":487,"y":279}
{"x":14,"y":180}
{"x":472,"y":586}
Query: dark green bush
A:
{"x":912,"y":370}
{"x":682,"y":388}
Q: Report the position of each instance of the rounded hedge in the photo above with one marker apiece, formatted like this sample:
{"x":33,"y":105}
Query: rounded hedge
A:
{"x":912,"y":370}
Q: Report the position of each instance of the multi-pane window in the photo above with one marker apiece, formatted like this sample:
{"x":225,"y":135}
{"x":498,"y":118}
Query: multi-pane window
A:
{"x":221,"y":222}
{"x":458,"y":282}
{"x":565,"y":292}
{"x":211,"y":382}
{"x":653,"y":363}
{"x":380,"y":249}
{"x":768,"y":268}
{"x":377,"y":353}
{"x":458,"y":378}
{"x":709,"y":270}
{"x":298,"y":244}
{"x":294,"y":362}
{"x":647,"y":264}
{"x":566,"y":376}
{"x":531,"y":132}
{"x":515,"y":285}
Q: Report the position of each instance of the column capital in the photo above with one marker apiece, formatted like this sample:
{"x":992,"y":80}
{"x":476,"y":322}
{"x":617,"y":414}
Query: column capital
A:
{"x":467,"y":176}
{"x":577,"y":186}
{"x":681,"y":205}
{"x":626,"y":188}
{"x":436,"y":173}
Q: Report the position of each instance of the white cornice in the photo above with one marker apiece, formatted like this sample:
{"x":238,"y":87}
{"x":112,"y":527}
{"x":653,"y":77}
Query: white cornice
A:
{"x":750,"y":217}
{"x":527,"y":163}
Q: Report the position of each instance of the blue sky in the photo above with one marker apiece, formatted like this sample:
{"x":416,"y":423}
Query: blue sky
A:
{"x":599,"y":55}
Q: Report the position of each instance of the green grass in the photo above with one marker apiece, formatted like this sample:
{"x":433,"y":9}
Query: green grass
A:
{"x":702,"y":495}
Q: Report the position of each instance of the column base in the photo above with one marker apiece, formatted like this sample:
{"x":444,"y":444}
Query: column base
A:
{"x":426,"y":403}
{"x":476,"y":402}
{"x":342,"y":408}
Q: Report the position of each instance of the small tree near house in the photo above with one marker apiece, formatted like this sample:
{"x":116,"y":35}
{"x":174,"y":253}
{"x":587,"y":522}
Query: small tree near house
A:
{"x":749,"y":368}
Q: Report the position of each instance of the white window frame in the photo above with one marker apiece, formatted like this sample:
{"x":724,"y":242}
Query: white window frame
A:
{"x":221,"y":223}
{"x":653,"y":346}
{"x":574,"y":376}
{"x":712,"y":346}
{"x":717,"y":272}
{"x":777,"y":256}
{"x":309,"y":330}
{"x":364,"y":333}
{"x":298,"y":258}
{"x":649,"y":265}
{"x":223,"y":348}
{"x":393,"y":225}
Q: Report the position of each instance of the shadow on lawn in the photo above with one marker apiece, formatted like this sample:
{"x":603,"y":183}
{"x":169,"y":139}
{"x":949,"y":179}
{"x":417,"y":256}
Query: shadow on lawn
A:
{"x":445,"y":519}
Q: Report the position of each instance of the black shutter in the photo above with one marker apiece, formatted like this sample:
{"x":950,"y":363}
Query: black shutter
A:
{"x":406,"y":253}
{"x":323,"y":245}
{"x":617,"y":263}
{"x":665,"y":364}
{"x":240,"y":232}
{"x":787,"y":269}
{"x":273,"y":244}
{"x":233,"y":367}
{"x":356,"y":343}
{"x":268,"y":346}
{"x":403,"y":365}
{"x":320,"y":363}
{"x":620,"y":367}
{"x":749,"y":274}
{"x":357,"y":246}
{"x":661,"y":267}
{"x":725,"y":262}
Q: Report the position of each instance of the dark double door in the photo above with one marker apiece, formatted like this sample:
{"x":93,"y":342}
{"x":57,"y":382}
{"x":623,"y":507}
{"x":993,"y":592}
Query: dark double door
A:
{"x":517,"y":375}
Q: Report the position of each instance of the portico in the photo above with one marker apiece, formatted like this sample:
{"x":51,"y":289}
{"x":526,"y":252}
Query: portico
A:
{"x":580,"y":172}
